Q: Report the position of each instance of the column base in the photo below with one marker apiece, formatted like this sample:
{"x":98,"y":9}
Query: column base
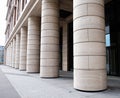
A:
{"x":32,"y":69}
{"x":91,"y":91}
{"x":49,"y":72}
{"x":22,"y":69}
{"x":90,"y":80}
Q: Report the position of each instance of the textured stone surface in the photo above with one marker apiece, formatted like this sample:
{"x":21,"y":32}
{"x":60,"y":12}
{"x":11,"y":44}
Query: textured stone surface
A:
{"x":49,"y":39}
{"x":13,"y":52}
{"x":8,"y":55}
{"x":81,"y":2}
{"x":65,"y":48}
{"x":33,"y":45}
{"x":87,"y":80}
{"x":17,"y":51}
{"x":89,"y":45}
{"x":23,"y":48}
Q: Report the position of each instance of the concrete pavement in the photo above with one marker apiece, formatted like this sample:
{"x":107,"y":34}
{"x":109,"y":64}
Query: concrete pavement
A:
{"x":6,"y":89}
{"x":32,"y":86}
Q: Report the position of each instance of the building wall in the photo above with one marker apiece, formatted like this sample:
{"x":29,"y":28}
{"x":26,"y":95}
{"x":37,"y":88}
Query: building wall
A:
{"x":15,"y":7}
{"x":1,"y":54}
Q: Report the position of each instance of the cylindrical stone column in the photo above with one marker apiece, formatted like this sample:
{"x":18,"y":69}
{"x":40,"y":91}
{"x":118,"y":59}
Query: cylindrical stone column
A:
{"x":13,"y":53}
{"x":49,"y":39}
{"x":6,"y":55}
{"x":33,"y":44}
{"x":9,"y":55}
{"x":17,"y":51}
{"x":23,"y":48}
{"x":89,"y":45}
{"x":65,"y":47}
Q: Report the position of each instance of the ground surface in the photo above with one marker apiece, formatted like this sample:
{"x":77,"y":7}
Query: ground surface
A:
{"x":32,"y":86}
{"x":6,"y":89}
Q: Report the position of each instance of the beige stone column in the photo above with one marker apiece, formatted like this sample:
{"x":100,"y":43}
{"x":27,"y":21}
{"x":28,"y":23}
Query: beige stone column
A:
{"x":89,"y":45}
{"x":23,"y":48}
{"x":65,"y":48}
{"x":13,"y":51}
{"x":49,"y":39}
{"x":17,"y":51}
{"x":33,"y":44}
{"x":6,"y":55}
{"x":9,"y":55}
{"x":11,"y":45}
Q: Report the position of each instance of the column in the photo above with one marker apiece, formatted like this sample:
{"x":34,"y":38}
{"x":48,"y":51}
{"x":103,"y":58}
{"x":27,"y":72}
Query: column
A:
{"x":65,"y":48}
{"x":49,"y":39}
{"x":5,"y":56}
{"x":33,"y":44}
{"x":89,"y":45}
{"x":13,"y":53}
{"x":23,"y":48}
{"x":21,"y":6}
{"x":17,"y":51}
{"x":8,"y":56}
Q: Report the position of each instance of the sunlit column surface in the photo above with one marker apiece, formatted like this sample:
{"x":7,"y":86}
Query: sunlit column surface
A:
{"x":89,"y":45}
{"x":17,"y":51}
{"x":33,"y":44}
{"x":49,"y":39}
{"x":23,"y":48}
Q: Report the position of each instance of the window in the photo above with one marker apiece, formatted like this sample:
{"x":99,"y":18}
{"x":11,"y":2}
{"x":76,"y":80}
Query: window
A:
{"x":107,"y":36}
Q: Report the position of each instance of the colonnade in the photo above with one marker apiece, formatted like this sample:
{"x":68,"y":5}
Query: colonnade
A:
{"x":36,"y":47}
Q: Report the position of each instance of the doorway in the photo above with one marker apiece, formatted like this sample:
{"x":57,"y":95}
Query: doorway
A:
{"x":70,"y":46}
{"x":112,"y":20}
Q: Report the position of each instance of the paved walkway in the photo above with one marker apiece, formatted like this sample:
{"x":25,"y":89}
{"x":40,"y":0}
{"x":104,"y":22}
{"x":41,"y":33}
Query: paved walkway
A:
{"x":32,"y":86}
{"x":6,"y":89}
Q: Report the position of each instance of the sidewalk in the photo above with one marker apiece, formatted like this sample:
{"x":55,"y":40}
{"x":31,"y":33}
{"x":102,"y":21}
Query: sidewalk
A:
{"x":32,"y":86}
{"x":6,"y":89}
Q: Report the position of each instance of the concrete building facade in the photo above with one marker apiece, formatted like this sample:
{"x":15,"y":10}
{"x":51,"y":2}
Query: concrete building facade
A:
{"x":50,"y":35}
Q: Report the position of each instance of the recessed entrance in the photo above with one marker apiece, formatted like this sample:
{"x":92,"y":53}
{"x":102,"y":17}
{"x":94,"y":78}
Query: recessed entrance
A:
{"x":70,"y":46}
{"x":112,"y":13}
